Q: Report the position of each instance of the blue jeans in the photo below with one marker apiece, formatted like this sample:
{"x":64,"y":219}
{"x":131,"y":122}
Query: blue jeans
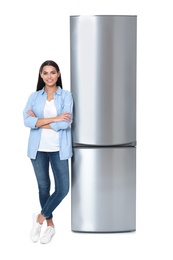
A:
{"x":60,"y":171}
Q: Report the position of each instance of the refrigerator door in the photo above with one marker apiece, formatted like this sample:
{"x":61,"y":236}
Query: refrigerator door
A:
{"x":103,"y":190}
{"x":103,"y":79}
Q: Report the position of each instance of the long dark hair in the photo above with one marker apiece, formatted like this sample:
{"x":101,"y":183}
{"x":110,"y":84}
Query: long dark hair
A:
{"x":40,"y":83}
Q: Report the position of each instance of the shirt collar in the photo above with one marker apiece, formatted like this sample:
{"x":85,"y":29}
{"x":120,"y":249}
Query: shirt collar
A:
{"x":58,"y":92}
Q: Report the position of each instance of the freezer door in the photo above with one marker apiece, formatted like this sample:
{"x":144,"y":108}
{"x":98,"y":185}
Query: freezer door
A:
{"x":103,"y":79}
{"x":103,"y":190}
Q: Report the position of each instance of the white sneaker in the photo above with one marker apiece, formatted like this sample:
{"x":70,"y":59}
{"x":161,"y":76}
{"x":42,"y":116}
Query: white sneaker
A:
{"x":36,"y":229}
{"x":47,"y":235}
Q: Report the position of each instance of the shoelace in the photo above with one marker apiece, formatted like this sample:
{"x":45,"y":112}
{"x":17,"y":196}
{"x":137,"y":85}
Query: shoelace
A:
{"x":36,"y":230}
{"x":48,"y":230}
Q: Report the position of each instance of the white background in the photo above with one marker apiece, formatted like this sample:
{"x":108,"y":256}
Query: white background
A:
{"x":32,"y":31}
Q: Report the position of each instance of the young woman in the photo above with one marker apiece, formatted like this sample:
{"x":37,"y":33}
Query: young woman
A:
{"x":48,"y":114}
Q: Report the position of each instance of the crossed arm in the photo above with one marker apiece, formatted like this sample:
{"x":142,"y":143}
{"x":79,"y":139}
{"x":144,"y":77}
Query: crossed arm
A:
{"x":45,"y":122}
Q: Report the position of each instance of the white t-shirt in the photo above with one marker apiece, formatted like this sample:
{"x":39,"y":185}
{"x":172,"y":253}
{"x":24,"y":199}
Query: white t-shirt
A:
{"x":49,"y":141}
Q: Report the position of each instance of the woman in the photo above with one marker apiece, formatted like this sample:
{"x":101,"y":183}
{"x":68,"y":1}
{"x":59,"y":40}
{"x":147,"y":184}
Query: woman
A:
{"x":48,"y":114}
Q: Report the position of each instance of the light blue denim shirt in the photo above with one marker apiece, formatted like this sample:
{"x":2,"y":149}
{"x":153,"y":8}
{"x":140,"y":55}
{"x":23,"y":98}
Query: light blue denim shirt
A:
{"x":36,"y":102}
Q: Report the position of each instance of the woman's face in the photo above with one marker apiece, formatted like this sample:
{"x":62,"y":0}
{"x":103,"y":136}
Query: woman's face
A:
{"x":49,"y":75}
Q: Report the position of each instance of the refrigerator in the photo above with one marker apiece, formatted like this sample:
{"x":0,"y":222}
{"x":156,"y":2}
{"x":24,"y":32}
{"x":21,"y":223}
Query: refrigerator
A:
{"x":103,"y":85}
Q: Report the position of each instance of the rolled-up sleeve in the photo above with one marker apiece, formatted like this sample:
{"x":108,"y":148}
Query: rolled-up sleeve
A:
{"x":29,"y":121}
{"x":67,"y":107}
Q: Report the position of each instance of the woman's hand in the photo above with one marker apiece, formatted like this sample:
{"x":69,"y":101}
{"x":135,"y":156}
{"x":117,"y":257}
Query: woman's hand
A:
{"x":31,"y":113}
{"x":64,"y":117}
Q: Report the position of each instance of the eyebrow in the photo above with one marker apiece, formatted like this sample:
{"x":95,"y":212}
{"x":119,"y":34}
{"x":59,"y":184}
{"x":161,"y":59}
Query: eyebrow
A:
{"x":49,"y":71}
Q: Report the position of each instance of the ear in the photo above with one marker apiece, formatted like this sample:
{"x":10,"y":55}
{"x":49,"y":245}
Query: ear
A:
{"x":59,"y":73}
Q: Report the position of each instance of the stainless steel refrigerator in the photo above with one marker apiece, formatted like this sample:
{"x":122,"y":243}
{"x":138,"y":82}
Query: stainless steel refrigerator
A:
{"x":103,"y":85}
